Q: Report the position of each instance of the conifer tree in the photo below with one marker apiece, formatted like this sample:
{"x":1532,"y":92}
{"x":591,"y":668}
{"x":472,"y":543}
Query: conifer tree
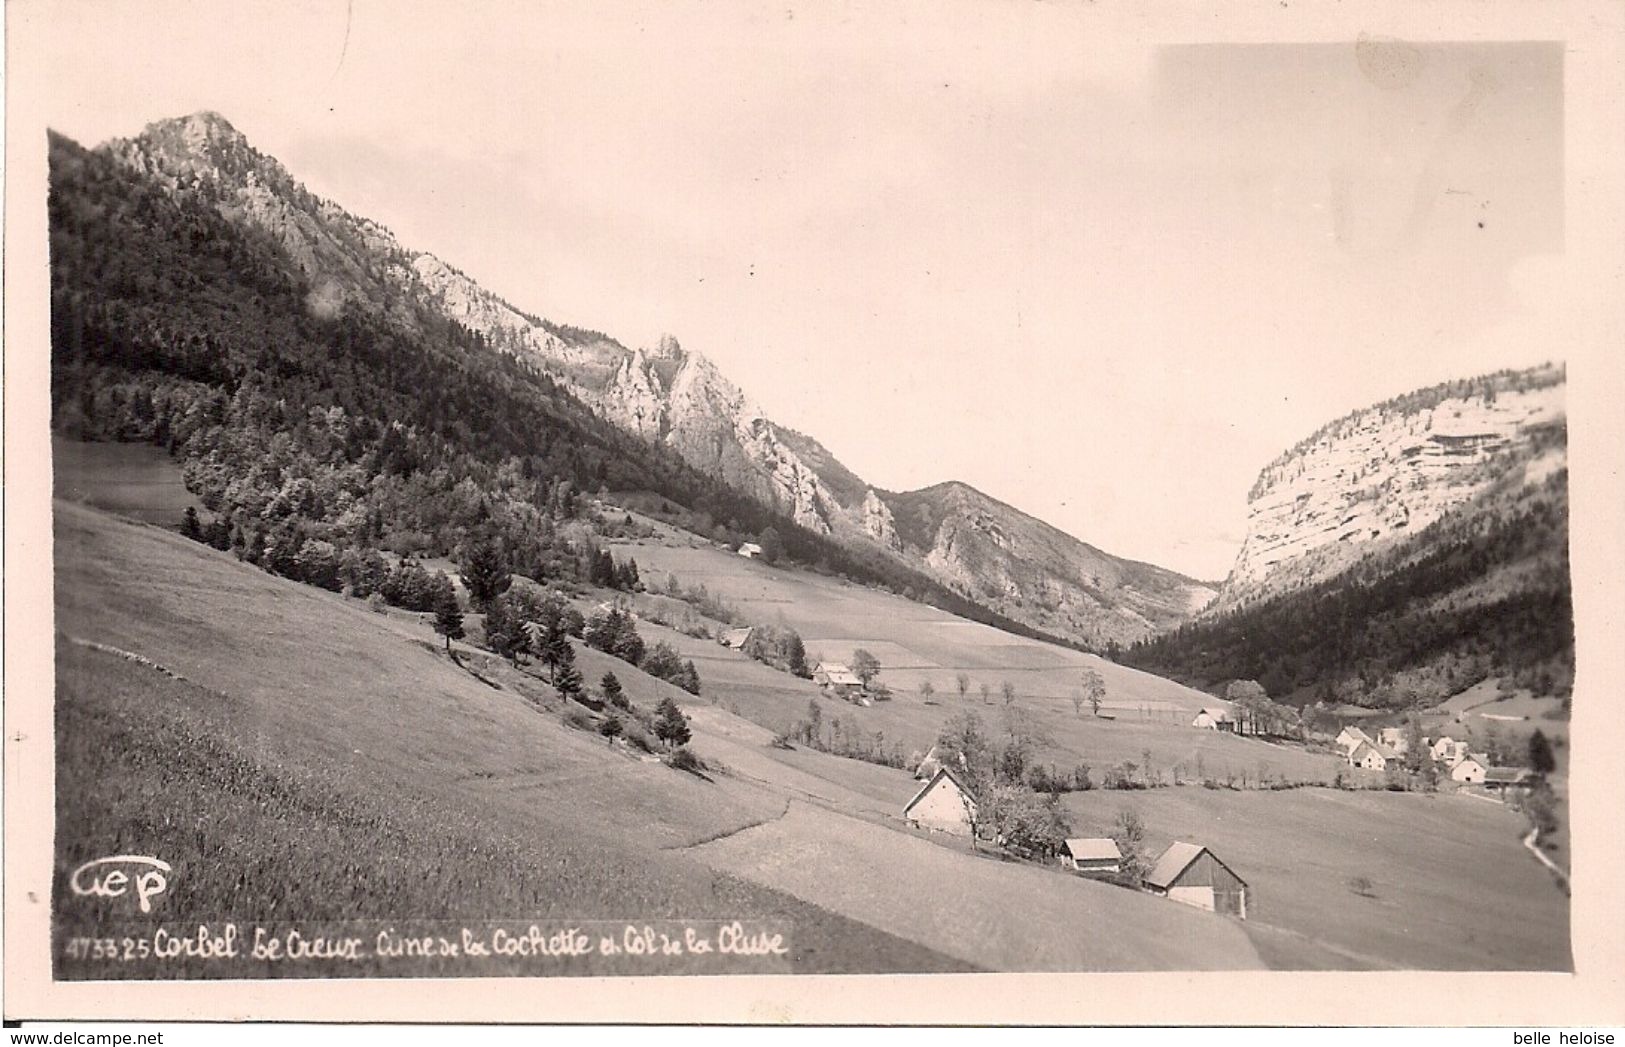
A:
{"x":671,"y":726}
{"x":485,"y":573}
{"x":611,"y":686}
{"x":448,"y":620}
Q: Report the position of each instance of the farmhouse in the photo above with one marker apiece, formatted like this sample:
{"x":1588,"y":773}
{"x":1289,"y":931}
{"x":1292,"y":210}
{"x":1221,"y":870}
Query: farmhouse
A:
{"x":1470,"y":769}
{"x":736,"y":638}
{"x":749,"y":550}
{"x":837,"y":679}
{"x":1214,"y":719}
{"x":1351,"y":738}
{"x":1372,"y":756}
{"x":1096,"y":856}
{"x":944,"y":804}
{"x":1192,"y":875}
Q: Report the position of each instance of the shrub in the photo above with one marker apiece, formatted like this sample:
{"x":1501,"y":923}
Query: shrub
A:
{"x":685,"y":760}
{"x":577,"y":717}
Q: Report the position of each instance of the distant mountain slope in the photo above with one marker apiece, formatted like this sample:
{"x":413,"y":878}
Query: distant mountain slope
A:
{"x":666,"y":395}
{"x":1029,"y":570}
{"x":317,"y":425}
{"x":1403,"y":553}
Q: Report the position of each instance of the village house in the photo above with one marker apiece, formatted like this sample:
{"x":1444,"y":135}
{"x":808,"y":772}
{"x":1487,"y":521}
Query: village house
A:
{"x":1351,"y":738}
{"x":736,"y":638}
{"x":944,"y":804}
{"x":1214,"y":719}
{"x":836,"y":679}
{"x":1095,"y":856}
{"x":1372,"y":756}
{"x":1470,"y":769}
{"x":1192,"y":875}
{"x":750,"y":550}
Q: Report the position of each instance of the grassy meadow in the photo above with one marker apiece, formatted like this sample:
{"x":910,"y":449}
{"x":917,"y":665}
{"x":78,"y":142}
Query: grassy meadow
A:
{"x":1451,"y":886}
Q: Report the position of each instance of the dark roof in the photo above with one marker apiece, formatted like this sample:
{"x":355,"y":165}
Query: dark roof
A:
{"x":1508,"y":775}
{"x":1175,"y":860}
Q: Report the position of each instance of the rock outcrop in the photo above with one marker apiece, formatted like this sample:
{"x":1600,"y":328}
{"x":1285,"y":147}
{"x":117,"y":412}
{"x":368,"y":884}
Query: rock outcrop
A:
{"x":1389,"y":471}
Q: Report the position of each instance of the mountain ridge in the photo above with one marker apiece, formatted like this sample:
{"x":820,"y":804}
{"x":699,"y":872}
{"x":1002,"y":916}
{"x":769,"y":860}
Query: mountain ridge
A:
{"x":664,"y":394}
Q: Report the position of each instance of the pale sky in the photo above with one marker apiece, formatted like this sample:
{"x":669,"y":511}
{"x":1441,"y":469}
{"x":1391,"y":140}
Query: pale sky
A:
{"x":1020,"y":245}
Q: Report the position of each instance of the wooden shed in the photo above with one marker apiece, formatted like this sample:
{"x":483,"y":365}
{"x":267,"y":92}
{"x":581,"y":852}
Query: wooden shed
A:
{"x":1192,"y":875}
{"x":1097,"y":856}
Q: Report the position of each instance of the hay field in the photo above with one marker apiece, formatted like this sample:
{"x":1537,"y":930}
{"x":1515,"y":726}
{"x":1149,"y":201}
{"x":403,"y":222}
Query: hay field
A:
{"x":1452,"y":888}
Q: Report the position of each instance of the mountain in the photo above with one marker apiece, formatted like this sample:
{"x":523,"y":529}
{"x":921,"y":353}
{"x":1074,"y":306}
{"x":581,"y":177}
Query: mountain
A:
{"x":1406,"y":551}
{"x":1031,"y":571}
{"x":1390,"y":470}
{"x":672,"y":398}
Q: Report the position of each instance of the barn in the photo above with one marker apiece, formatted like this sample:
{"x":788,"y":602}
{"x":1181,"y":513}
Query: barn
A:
{"x":1470,"y":769}
{"x":837,"y":679}
{"x":736,"y":638}
{"x":1214,"y":719}
{"x":1508,"y":780}
{"x":945,"y":803}
{"x":1192,"y":875}
{"x":1096,"y":856}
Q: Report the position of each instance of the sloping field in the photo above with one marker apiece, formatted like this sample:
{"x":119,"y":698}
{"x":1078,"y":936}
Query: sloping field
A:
{"x":147,"y":765}
{"x":364,"y":690}
{"x":834,"y":617}
{"x":1451,"y":886}
{"x":1016,"y":917}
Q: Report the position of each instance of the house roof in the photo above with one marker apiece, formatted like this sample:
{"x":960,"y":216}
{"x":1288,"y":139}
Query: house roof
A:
{"x":1215,"y":712}
{"x":942,"y":772}
{"x":831,"y":667}
{"x":844,"y":677}
{"x":737,"y":636}
{"x":1354,"y":732}
{"x":1508,"y":775}
{"x":1099,"y":848}
{"x":1361,"y":750}
{"x":1175,"y":860}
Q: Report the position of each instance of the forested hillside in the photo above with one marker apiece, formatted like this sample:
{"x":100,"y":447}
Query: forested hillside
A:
{"x":1483,"y":592}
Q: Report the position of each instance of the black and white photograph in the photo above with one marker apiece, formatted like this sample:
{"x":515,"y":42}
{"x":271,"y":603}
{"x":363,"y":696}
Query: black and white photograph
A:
{"x":570,"y":491}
